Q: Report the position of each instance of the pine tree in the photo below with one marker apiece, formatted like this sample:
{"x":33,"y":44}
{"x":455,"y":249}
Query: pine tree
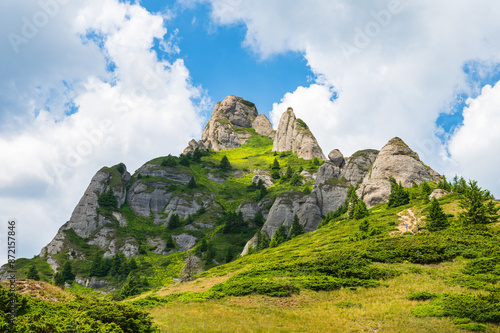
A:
{"x":67,"y":272}
{"x":399,"y":196}
{"x":174,"y":222}
{"x":170,"y":245}
{"x":224,"y":164}
{"x":436,"y":218}
{"x":210,"y":254}
{"x":288,"y":173}
{"x":360,"y":210}
{"x":478,"y":205}
{"x":275,"y":165}
{"x":192,"y":183}
{"x":59,"y":280}
{"x":426,"y":190}
{"x":95,"y":268}
{"x":132,"y":265}
{"x":33,"y":273}
{"x":169,"y":161}
{"x":203,"y":245}
{"x":279,"y":236}
{"x":107,"y":200}
{"x":296,"y":229}
{"x":229,"y":255}
{"x":130,"y":287}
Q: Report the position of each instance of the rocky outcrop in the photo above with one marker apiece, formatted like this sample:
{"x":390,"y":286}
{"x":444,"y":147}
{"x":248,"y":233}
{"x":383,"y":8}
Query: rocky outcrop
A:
{"x":336,"y":157}
{"x":264,"y":176}
{"x":170,"y":173}
{"x":438,"y":193}
{"x":398,"y":161}
{"x":262,"y":125}
{"x":146,"y":198}
{"x":184,"y":205}
{"x":193,"y":145}
{"x":250,"y":209}
{"x":184,"y":241}
{"x":358,"y":166}
{"x":294,"y":135}
{"x":232,"y":113}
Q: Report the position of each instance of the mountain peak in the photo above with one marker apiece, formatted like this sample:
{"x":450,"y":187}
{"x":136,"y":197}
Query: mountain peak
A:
{"x":294,"y":134}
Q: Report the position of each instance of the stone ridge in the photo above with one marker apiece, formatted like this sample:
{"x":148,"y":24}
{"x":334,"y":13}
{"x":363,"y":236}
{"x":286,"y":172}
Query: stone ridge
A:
{"x":294,"y":135}
{"x":398,"y":161}
{"x":228,"y":115}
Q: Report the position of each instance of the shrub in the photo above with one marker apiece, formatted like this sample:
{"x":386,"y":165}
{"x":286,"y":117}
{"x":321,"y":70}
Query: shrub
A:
{"x":421,"y":296}
{"x":107,"y":200}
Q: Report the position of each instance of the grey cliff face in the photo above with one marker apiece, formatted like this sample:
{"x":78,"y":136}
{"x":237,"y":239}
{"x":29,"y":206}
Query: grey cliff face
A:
{"x":336,"y":157}
{"x":395,"y":160}
{"x":358,"y":166}
{"x":262,"y":125}
{"x":294,"y":135}
{"x":232,"y":113}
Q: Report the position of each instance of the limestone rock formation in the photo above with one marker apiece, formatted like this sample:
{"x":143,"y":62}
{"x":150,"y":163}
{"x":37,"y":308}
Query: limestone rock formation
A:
{"x":221,"y":131}
{"x":264,"y":176}
{"x":262,"y":125}
{"x":193,"y":145}
{"x":358,"y":165}
{"x":294,"y":135}
{"x":395,"y":160}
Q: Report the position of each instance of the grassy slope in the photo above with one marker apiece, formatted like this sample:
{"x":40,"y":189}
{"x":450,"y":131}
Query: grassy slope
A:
{"x":384,"y":308}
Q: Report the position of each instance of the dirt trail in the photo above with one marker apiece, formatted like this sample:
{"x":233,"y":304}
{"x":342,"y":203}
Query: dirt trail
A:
{"x":408,"y":222}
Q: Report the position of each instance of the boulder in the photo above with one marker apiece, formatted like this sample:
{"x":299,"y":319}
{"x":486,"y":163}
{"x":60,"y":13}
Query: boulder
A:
{"x":336,"y":157}
{"x":438,"y":193}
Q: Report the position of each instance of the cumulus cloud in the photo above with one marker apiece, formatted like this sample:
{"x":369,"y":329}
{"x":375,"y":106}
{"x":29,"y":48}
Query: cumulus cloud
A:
{"x":100,"y":96}
{"x":474,"y":146}
{"x":393,"y":66}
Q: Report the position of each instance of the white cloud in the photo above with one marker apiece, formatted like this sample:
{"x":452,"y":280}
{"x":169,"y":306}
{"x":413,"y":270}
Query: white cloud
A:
{"x":395,"y":65}
{"x":143,"y":109}
{"x":474,"y":146}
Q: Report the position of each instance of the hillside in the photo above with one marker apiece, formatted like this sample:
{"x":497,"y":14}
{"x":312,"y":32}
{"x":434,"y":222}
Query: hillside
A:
{"x":261,"y":229}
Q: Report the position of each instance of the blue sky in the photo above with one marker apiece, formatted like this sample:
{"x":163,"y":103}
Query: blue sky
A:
{"x":219,"y":62}
{"x":71,"y":103}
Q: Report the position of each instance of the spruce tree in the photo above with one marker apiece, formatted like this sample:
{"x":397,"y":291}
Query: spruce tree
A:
{"x":174,"y":222}
{"x":192,"y":183}
{"x":275,"y":165}
{"x":229,"y":255}
{"x":33,"y":273}
{"x":296,"y":229}
{"x":478,"y":205}
{"x":399,"y":195}
{"x":170,"y":245}
{"x":67,"y":272}
{"x":360,"y":210}
{"x":59,"y":280}
{"x":224,"y":164}
{"x":436,"y":218}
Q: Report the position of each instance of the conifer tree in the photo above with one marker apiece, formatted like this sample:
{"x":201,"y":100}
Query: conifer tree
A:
{"x":478,"y":205}
{"x":192,"y":183}
{"x":360,"y":210}
{"x":399,"y":195}
{"x":224,"y":164}
{"x":67,"y":272}
{"x":59,"y":280}
{"x":296,"y":229}
{"x":275,"y":165}
{"x":33,"y":273}
{"x":174,"y":222}
{"x":436,"y":218}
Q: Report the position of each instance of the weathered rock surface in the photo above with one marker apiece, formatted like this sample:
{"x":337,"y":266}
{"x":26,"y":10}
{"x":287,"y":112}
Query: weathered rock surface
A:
{"x":327,"y":171}
{"x":395,"y":160}
{"x":262,"y":125}
{"x":438,"y":193}
{"x":192,"y":145}
{"x":358,"y":166}
{"x":249,"y":209}
{"x":145,"y":198}
{"x":185,"y":205}
{"x":171,"y":173}
{"x":264,"y":176}
{"x":294,"y":135}
{"x":336,"y":157}
{"x":215,"y":178}
{"x":158,"y":243}
{"x":184,"y":241}
{"x":233,"y":112}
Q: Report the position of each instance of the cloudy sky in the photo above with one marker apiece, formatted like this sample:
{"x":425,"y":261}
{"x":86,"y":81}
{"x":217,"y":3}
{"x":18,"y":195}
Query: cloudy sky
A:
{"x":91,"y":83}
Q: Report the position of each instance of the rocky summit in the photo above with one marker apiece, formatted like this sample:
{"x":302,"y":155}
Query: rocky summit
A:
{"x":294,"y":135}
{"x":240,"y":182}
